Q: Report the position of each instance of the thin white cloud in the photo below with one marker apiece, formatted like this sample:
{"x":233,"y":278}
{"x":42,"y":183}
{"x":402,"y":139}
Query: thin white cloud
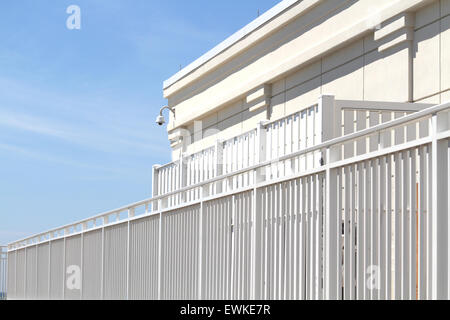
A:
{"x":30,"y":123}
{"x":87,"y":133}
{"x":100,"y":123}
{"x":51,"y":158}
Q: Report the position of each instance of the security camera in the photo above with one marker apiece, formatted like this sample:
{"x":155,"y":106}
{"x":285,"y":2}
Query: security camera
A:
{"x":160,"y":120}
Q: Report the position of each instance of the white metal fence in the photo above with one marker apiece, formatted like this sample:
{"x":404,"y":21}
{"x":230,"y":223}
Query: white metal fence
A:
{"x":366,"y":220}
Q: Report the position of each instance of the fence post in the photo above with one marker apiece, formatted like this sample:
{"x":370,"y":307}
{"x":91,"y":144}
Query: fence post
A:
{"x":439,"y":220}
{"x":332,"y":229}
{"x":219,"y":165}
{"x":257,"y":219}
{"x":49,"y":282}
{"x":159,"y":252}
{"x":155,"y":185}
{"x":331,"y":128}
{"x":102,"y":287}
{"x":261,"y":151}
{"x":183,"y":177}
{"x":200,"y":250}
{"x":131,"y":214}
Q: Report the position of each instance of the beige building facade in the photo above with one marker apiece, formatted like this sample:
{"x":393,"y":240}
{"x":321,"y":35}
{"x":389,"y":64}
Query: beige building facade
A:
{"x":384,"y":50}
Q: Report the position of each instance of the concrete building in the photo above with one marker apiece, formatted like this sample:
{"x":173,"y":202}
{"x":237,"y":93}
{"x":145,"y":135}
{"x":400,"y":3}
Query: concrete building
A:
{"x":310,"y":151}
{"x":283,"y":61}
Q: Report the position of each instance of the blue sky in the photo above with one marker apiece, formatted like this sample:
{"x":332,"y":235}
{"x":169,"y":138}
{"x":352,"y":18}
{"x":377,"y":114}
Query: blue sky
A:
{"x":77,"y":107}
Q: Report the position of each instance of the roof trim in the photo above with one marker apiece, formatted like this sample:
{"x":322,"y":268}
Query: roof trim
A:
{"x":230,"y":41}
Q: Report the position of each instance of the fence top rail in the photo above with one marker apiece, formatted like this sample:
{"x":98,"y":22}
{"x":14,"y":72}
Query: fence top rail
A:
{"x":381,"y":106}
{"x":195,"y":154}
{"x":271,"y":122}
{"x":168,"y":165}
{"x":363,"y":105}
{"x":242,"y":135}
{"x":209,"y":149}
{"x":336,"y":141}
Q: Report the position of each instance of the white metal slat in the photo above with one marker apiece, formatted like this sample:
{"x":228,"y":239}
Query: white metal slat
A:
{"x":319,"y":233}
{"x":184,"y":254}
{"x":268,"y":150}
{"x":230,"y":215}
{"x":276,"y":241}
{"x":211,"y":254}
{"x":405,"y":228}
{"x":281,"y":146}
{"x":275,"y":150}
{"x":295,"y":236}
{"x":219,"y":248}
{"x":241,"y":159}
{"x":169,"y":188}
{"x":352,"y":234}
{"x":223,"y":213}
{"x":288,"y":146}
{"x":265,"y":259}
{"x":360,"y":125}
{"x":304,"y":138}
{"x":255,"y":146}
{"x":235,"y":164}
{"x":288,"y":279}
{"x":310,"y":136}
{"x":361,"y":285}
{"x":422,"y":213}
{"x":308,"y":239}
{"x":367,"y":224}
{"x":318,"y":130}
{"x":388,"y":228}
{"x":397,"y":227}
{"x":294,"y":223}
{"x":181,"y":221}
{"x":348,"y":118}
{"x":317,"y":236}
{"x":339,"y":206}
{"x":238,"y":248}
{"x":412,"y":223}
{"x":296,"y":139}
{"x":242,"y":235}
{"x":272,"y":247}
{"x":314,"y":228}
{"x":283,"y":237}
{"x":246,"y":159}
{"x":381,"y":256}
{"x":248,"y":255}
{"x":374,"y":227}
{"x":220,"y":272}
{"x":302,"y":239}
{"x":347,"y":235}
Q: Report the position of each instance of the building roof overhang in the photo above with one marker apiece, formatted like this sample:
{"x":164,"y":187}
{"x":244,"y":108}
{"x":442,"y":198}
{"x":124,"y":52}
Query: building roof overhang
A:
{"x":230,"y":41}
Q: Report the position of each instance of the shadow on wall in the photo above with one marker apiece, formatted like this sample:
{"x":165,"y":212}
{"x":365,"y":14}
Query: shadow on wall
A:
{"x":347,"y":73}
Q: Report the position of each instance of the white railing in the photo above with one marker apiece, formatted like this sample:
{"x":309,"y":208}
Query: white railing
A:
{"x":327,"y":119}
{"x":3,"y":271}
{"x":237,"y":154}
{"x":393,"y":201}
